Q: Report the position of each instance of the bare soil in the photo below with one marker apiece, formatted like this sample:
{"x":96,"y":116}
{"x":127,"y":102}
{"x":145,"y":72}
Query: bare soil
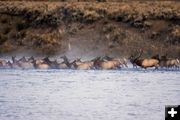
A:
{"x":89,"y":29}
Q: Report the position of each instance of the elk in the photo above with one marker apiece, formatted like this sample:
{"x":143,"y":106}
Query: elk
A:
{"x":120,"y":61}
{"x":106,"y":64}
{"x":15,"y":63}
{"x":169,"y":62}
{"x":173,"y":63}
{"x":40,"y":64}
{"x":145,"y":62}
{"x":65,"y":64}
{"x":86,"y":65}
{"x":2,"y":63}
{"x":5,"y":64}
{"x":52,"y":64}
{"x":25,"y":64}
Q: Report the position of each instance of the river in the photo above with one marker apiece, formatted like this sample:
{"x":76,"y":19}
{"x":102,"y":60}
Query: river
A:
{"x":87,"y":95}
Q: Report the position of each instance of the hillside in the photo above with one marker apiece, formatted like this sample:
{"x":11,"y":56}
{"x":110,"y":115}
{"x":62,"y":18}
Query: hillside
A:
{"x":89,"y":28}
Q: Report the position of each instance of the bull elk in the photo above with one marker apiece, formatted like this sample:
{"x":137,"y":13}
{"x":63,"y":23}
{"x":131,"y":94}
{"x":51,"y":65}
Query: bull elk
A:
{"x":145,"y":62}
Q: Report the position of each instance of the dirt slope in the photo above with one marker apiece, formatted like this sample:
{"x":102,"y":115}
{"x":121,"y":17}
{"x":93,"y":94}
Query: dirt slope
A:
{"x":88,"y":29}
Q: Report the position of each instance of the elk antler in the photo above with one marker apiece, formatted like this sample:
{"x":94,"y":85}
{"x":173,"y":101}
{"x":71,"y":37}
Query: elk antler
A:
{"x":140,"y":54}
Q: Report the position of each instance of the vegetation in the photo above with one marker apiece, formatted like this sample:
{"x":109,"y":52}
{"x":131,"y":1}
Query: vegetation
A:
{"x":116,"y":28}
{"x":3,"y":38}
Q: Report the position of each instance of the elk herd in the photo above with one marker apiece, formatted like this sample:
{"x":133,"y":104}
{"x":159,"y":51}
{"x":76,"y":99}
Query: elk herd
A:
{"x":45,"y":63}
{"x":99,"y":63}
{"x":154,"y":61}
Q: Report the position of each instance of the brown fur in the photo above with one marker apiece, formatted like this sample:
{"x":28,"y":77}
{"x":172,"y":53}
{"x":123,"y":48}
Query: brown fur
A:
{"x":2,"y":62}
{"x":5,"y":64}
{"x":146,"y":62}
{"x":39,"y":64}
{"x":169,"y":62}
{"x":83,"y":65}
{"x":112,"y":64}
{"x":62,"y":66}
{"x":122,"y":62}
{"x":172,"y":63}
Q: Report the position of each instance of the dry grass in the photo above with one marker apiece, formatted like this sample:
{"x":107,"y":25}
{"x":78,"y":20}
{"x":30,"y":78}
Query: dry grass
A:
{"x":45,"y":26}
{"x":127,"y":12}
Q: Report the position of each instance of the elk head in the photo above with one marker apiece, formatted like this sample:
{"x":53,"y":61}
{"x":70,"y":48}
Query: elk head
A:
{"x":66,"y":61}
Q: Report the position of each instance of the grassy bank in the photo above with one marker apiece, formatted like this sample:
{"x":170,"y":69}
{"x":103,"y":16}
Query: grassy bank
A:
{"x":90,"y":28}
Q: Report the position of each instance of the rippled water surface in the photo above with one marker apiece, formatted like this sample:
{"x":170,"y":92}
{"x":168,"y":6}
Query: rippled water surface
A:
{"x":87,"y":95}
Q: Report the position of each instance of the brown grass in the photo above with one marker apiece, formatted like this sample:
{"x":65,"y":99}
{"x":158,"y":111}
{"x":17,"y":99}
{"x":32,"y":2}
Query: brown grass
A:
{"x":118,"y":27}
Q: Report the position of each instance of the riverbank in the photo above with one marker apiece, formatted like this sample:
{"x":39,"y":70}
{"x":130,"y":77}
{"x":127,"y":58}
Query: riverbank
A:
{"x":89,"y":28}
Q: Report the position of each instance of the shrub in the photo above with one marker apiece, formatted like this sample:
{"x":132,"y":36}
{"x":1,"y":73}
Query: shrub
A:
{"x":6,"y":30}
{"x":108,"y":28}
{"x":101,"y":0}
{"x":21,"y":25}
{"x":4,"y":20}
{"x":21,"y":35}
{"x":3,"y":39}
{"x":7,"y":47}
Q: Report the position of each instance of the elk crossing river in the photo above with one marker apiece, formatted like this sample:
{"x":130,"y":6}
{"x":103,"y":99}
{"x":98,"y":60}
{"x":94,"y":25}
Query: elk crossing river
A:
{"x":127,"y":94}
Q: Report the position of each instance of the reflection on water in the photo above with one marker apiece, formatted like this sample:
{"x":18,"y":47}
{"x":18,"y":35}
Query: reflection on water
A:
{"x":87,"y":95}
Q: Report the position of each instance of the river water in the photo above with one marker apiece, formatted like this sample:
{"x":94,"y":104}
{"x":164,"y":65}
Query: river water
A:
{"x":87,"y":95}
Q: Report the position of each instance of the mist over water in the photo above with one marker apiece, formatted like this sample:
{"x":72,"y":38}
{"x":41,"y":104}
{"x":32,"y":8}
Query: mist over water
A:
{"x":87,"y":95}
